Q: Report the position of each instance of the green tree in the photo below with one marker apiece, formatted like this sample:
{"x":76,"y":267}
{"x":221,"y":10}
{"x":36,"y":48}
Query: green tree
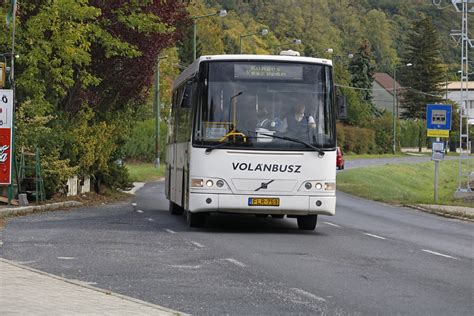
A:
{"x":378,"y":31}
{"x":426,"y":76}
{"x":362,"y":71}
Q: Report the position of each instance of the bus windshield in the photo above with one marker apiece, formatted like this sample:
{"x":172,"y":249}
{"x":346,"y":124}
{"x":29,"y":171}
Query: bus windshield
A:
{"x":264,"y":105}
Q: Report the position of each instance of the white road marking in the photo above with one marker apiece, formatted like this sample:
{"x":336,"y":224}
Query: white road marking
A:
{"x":170,"y":231}
{"x":26,"y":262}
{"x":307,"y":294}
{"x":195,"y":243}
{"x":375,"y":236}
{"x":66,"y":258}
{"x":236,"y":262}
{"x":185,"y":267}
{"x":1,"y":243}
{"x":134,"y":204}
{"x":331,"y":224}
{"x":139,"y":211}
{"x":150,"y":219}
{"x":439,"y":254}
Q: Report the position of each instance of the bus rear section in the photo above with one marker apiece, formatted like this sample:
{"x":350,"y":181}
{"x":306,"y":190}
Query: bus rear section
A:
{"x":258,"y":137}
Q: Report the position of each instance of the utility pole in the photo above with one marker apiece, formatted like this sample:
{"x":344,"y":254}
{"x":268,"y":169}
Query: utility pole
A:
{"x":461,"y":36}
{"x":157,"y":108}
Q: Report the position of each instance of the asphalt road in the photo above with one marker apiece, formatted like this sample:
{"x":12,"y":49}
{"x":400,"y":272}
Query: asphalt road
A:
{"x":369,"y":259}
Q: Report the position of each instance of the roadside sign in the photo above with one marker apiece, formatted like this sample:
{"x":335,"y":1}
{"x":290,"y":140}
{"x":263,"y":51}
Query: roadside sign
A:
{"x":437,"y":151}
{"x":437,"y":133}
{"x":6,"y":123}
{"x":438,"y":120}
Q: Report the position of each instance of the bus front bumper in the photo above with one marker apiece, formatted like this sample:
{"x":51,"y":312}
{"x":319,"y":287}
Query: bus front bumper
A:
{"x":289,"y":205}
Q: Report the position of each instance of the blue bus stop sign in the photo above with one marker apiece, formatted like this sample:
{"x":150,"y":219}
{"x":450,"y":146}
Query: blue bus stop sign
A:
{"x":438,"y":116}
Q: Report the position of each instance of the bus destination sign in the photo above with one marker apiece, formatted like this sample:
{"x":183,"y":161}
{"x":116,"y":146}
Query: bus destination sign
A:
{"x":269,"y":72}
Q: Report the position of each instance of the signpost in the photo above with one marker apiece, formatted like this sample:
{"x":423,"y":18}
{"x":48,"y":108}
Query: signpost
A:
{"x":438,"y":124}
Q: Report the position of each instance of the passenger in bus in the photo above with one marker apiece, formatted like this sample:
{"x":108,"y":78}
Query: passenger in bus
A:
{"x":266,"y":120}
{"x":298,"y":124}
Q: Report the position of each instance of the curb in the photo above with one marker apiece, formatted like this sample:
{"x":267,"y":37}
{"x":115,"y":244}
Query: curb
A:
{"x":24,"y":210}
{"x":455,"y":215}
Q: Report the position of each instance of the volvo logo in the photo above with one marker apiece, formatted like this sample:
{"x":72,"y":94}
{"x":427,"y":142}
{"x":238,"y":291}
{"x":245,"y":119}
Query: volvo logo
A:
{"x":264,"y":185}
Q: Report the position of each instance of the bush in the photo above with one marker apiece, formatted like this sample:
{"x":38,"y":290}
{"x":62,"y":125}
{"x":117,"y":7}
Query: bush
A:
{"x":383,"y":128}
{"x":141,"y":143}
{"x":356,"y":139}
{"x":412,"y":133}
{"x":115,"y":177}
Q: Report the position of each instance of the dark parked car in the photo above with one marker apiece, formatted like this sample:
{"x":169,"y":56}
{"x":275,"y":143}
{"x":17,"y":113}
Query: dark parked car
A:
{"x":339,"y":158}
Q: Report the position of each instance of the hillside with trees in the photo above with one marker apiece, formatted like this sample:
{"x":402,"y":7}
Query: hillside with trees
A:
{"x":85,"y":72}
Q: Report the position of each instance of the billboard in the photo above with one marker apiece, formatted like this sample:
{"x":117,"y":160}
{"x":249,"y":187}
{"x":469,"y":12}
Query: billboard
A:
{"x":6,"y":126}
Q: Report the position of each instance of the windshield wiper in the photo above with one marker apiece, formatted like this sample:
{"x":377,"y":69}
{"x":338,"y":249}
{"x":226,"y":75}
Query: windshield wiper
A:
{"x":319,"y":150}
{"x":209,"y":149}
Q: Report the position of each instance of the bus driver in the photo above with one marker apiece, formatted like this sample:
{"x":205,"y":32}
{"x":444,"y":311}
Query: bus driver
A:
{"x":298,"y":124}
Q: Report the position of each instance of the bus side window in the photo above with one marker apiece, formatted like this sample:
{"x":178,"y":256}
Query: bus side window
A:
{"x":186,"y":102}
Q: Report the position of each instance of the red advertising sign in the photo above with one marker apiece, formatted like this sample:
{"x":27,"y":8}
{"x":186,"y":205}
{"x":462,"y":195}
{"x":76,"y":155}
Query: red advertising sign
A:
{"x":5,"y":155}
{"x":6,"y":123}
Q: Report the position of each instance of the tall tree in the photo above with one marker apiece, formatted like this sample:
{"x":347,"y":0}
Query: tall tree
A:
{"x":378,"y":31}
{"x":427,"y":74}
{"x":362,"y":71}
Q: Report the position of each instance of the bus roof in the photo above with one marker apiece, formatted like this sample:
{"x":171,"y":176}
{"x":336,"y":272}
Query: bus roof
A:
{"x":191,"y":70}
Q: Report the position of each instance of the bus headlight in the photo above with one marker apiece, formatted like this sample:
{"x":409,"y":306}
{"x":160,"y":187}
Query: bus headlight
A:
{"x":209,"y":183}
{"x":308,"y":185}
{"x":318,"y":186}
{"x":220,"y":183}
{"x":197,"y":183}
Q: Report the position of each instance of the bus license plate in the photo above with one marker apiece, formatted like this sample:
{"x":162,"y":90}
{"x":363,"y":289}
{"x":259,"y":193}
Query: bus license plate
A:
{"x":264,"y":201}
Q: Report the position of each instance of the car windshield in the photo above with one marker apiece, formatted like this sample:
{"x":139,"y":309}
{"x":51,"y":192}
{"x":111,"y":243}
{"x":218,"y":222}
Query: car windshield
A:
{"x":245,"y":104}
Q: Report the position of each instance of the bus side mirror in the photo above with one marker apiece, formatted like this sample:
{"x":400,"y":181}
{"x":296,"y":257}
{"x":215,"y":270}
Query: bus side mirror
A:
{"x":187,"y":97}
{"x":341,"y":104}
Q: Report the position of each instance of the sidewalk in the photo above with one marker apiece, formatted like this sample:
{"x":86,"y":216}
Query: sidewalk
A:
{"x":26,"y":291}
{"x":459,"y":212}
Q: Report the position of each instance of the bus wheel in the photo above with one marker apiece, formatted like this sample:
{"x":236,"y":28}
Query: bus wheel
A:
{"x":175,"y":209}
{"x":307,"y":222}
{"x":195,"y":219}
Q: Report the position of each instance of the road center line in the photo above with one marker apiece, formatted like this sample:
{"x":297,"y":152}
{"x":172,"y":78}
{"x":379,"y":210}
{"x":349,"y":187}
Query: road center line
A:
{"x":307,"y":294}
{"x":66,"y":258}
{"x":150,"y":219}
{"x":170,"y":231}
{"x":331,"y":224}
{"x":185,"y":266}
{"x":195,"y":243}
{"x":139,"y":211}
{"x":438,"y":254}
{"x":236,"y":262}
{"x":375,"y":236}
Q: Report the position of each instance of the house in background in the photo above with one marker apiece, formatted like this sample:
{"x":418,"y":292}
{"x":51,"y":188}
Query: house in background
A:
{"x":453,"y":92}
{"x":383,"y":98}
{"x":382,"y":91}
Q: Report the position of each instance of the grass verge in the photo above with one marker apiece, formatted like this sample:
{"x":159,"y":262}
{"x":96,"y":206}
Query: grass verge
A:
{"x":145,"y":172}
{"x":403,"y":183}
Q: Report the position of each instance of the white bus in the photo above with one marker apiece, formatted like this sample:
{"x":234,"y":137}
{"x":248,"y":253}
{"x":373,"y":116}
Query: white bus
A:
{"x":253,"y":134}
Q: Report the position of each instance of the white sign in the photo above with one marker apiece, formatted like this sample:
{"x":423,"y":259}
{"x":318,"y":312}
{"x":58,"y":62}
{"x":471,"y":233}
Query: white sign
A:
{"x":6,"y":108}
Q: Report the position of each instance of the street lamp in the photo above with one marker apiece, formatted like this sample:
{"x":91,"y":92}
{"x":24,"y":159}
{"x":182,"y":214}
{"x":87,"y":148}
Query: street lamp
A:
{"x":295,"y":41}
{"x":157,"y":111}
{"x":395,"y":104}
{"x":263,"y":32}
{"x":221,"y":13}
